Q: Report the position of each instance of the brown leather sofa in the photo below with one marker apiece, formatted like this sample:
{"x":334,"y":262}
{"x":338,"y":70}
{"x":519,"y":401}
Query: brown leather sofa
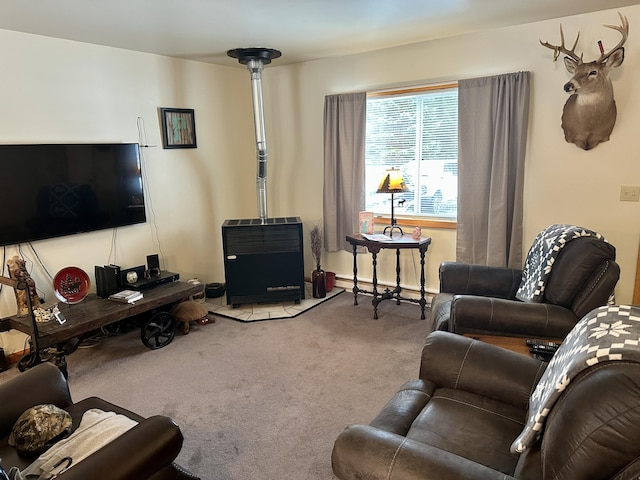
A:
{"x":478,"y":299}
{"x":146,"y":451}
{"x":460,"y":417}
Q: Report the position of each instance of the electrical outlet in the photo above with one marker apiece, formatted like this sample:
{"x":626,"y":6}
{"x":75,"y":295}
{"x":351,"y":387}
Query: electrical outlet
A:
{"x":629,"y":193}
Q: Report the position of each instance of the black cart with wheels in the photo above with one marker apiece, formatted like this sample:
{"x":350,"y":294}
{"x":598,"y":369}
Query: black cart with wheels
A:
{"x":51,"y":341}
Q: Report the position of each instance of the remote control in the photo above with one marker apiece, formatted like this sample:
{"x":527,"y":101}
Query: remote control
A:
{"x":531,"y":342}
{"x":543,"y":349}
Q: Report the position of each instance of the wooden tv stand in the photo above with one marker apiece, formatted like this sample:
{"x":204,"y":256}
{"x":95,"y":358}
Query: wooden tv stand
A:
{"x":94,"y":313}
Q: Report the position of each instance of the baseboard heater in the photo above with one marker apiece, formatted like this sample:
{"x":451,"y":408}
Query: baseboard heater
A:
{"x":263,"y":260}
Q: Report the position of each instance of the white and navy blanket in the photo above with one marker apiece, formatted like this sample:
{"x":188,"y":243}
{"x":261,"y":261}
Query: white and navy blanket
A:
{"x":542,"y":255}
{"x":604,"y":334}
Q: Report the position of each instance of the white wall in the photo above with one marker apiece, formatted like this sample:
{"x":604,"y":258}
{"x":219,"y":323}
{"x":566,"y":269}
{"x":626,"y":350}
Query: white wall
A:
{"x":62,"y":91}
{"x":563,"y":184}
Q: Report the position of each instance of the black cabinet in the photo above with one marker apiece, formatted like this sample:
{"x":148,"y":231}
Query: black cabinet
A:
{"x":263,"y":260}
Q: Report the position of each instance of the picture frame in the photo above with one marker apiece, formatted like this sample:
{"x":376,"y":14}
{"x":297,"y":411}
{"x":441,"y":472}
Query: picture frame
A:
{"x":178,"y":128}
{"x":366,"y":222}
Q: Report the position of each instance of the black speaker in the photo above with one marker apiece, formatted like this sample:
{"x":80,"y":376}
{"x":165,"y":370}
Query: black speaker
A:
{"x":107,"y":280}
{"x":153,"y":265}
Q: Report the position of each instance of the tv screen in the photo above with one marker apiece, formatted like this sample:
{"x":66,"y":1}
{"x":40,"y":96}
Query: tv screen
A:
{"x":54,"y":190}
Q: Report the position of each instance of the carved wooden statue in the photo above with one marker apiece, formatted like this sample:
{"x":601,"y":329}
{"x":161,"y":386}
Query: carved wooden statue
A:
{"x":18,"y":271}
{"x":590,"y":112}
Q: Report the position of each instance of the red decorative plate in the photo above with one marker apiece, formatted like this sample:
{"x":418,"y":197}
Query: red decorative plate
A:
{"x":71,"y":285}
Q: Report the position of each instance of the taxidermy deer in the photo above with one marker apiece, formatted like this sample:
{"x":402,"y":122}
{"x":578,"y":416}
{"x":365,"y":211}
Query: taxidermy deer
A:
{"x":590,"y":112}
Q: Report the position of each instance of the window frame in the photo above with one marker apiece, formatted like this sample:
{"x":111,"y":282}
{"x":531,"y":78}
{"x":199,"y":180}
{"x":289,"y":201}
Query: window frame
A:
{"x":408,"y":219}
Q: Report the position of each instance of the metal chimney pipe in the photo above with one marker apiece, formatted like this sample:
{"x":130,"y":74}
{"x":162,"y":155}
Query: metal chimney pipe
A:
{"x":255,"y":59}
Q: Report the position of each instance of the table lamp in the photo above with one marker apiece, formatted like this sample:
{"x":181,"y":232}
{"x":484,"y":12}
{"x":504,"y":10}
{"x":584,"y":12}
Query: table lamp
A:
{"x":392,"y":183}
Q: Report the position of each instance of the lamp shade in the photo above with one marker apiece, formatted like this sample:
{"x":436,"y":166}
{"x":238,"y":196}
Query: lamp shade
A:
{"x":392,"y":182}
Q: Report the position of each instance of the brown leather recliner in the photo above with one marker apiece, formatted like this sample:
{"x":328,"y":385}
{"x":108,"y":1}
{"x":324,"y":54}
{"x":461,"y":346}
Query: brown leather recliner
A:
{"x":146,"y":451}
{"x":478,"y":299}
{"x":459,"y":419}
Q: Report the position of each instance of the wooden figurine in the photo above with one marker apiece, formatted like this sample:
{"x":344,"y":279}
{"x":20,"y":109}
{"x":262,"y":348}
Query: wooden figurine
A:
{"x":18,"y":271}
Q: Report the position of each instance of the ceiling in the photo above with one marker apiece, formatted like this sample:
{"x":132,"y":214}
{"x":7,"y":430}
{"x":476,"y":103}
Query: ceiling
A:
{"x":303,"y":30}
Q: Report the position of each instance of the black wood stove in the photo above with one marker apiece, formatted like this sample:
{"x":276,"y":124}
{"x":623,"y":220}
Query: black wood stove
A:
{"x":263,"y":257}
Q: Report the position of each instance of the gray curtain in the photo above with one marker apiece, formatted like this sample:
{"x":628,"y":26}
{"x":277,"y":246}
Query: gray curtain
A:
{"x":493,"y":117}
{"x":344,"y":131}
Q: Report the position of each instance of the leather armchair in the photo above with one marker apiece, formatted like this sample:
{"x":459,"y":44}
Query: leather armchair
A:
{"x":477,"y":299}
{"x":146,"y":451}
{"x":460,"y":417}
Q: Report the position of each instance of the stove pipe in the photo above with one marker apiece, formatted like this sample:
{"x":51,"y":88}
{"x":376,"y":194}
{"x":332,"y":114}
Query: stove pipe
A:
{"x":255,"y":59}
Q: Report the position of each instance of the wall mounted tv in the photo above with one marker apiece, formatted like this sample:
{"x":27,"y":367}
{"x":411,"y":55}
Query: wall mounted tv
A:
{"x":53,"y":190}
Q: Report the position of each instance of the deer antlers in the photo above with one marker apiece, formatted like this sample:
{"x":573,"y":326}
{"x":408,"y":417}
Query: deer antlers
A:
{"x":557,"y":49}
{"x":623,"y":29}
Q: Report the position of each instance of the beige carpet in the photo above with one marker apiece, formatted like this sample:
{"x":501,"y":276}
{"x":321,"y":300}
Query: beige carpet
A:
{"x":261,"y":400}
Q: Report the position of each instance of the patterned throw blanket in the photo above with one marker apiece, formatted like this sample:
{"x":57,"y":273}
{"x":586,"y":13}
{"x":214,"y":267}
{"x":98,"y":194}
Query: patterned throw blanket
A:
{"x":542,"y":255}
{"x":604,"y":334}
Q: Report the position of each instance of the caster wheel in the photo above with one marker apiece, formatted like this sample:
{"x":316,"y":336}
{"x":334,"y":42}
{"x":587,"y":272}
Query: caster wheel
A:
{"x":158,"y":331}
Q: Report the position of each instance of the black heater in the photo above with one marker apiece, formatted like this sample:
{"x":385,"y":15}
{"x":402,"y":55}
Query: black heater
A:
{"x":263,"y":260}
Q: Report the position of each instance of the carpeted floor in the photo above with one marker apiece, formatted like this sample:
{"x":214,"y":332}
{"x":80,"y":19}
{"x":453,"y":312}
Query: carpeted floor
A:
{"x":261,"y":400}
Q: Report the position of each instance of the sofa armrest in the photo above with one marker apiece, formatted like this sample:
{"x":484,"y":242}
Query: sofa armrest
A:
{"x":495,"y":316}
{"x":469,"y":279}
{"x":398,"y":415}
{"x":462,"y":363}
{"x":138,"y":453}
{"x":43,"y":383}
{"x":363,"y":451}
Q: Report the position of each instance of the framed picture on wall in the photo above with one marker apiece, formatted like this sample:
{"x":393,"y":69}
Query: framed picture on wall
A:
{"x":178,"y":128}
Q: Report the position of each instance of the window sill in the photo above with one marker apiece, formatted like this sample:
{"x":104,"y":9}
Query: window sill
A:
{"x":417,"y":222}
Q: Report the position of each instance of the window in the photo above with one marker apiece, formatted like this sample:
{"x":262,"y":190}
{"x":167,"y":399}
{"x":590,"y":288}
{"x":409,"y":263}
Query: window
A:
{"x":415,"y":131}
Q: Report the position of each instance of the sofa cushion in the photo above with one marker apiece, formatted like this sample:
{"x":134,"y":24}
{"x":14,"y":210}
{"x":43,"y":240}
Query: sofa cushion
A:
{"x":572,"y":272}
{"x":472,"y":426}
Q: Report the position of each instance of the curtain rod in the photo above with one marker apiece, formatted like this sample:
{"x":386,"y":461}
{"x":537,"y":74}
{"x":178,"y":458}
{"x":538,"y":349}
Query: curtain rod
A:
{"x":404,"y":91}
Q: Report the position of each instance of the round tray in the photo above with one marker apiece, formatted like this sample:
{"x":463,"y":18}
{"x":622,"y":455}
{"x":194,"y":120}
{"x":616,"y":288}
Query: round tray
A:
{"x":71,"y":285}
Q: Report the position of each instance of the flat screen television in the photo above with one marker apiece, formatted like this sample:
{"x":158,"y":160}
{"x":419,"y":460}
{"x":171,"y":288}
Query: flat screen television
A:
{"x":51,"y":190}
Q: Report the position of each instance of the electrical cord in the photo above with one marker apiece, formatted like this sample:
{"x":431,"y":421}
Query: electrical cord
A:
{"x":40,"y":262}
{"x":113,"y":250}
{"x":154,"y":226}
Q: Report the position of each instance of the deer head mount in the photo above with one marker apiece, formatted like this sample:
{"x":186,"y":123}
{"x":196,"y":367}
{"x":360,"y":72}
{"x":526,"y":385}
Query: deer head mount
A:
{"x":590,"y":112}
